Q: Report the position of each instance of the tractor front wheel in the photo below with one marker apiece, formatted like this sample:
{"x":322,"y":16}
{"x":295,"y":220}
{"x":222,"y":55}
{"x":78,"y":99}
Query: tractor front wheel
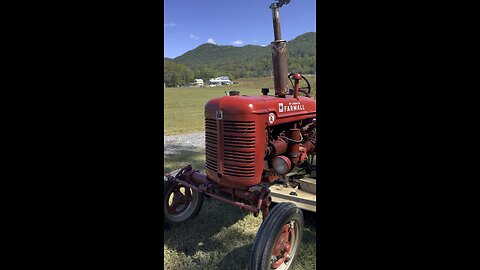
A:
{"x":180,"y":203}
{"x":278,"y":239}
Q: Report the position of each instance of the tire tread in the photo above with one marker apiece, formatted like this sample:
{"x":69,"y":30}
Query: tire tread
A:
{"x":268,"y":232}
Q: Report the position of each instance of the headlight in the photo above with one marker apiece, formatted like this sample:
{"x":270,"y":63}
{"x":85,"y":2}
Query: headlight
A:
{"x":281,"y":164}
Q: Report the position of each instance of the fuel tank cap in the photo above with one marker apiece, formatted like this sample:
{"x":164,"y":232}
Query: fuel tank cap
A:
{"x":234,"y":93}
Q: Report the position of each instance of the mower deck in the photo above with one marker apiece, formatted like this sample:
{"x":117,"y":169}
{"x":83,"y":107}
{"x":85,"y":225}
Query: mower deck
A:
{"x":304,"y":200}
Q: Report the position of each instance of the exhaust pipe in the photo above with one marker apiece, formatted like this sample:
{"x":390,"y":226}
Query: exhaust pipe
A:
{"x":279,"y":54}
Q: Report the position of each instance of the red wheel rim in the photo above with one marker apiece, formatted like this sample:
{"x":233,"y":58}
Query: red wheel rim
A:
{"x":283,"y":246}
{"x":180,"y":200}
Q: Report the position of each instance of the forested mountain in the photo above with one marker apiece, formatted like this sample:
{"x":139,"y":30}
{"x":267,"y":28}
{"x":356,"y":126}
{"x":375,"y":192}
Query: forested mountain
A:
{"x":209,"y":60}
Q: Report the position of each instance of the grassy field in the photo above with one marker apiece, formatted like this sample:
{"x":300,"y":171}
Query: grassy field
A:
{"x":221,"y":236}
{"x":184,"y":106}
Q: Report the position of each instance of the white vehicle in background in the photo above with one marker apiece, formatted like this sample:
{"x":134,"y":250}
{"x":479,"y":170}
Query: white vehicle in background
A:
{"x":223,"y":80}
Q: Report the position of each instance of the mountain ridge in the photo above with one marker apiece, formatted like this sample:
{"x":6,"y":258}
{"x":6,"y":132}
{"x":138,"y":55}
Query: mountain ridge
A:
{"x":212,"y":60}
{"x":214,"y":50}
{"x":210,"y":45}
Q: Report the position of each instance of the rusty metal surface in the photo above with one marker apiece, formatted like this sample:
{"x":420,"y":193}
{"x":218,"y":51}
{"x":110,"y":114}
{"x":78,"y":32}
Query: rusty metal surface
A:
{"x":277,"y":147}
{"x":309,"y":146}
{"x":250,"y":208}
{"x":242,"y":194}
{"x":276,"y":22}
{"x":189,"y":178}
{"x":294,"y":145}
{"x":279,"y":55}
{"x":280,"y":67}
{"x":196,"y":178}
{"x":297,"y":77}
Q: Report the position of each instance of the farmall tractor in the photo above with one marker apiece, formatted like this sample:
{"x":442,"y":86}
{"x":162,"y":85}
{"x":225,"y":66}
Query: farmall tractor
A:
{"x":258,"y":149}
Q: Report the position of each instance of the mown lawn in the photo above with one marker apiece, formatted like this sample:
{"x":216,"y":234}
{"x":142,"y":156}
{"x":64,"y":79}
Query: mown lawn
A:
{"x":221,"y":236}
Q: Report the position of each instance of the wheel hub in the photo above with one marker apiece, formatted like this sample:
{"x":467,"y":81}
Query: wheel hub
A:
{"x":180,"y":201}
{"x":283,"y":246}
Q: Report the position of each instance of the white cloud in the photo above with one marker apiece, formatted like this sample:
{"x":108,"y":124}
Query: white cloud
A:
{"x":210,"y":40}
{"x":192,"y":36}
{"x":169,"y":24}
{"x":237,"y":42}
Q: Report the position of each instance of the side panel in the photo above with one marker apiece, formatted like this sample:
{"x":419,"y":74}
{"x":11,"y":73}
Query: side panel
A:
{"x":289,"y":109}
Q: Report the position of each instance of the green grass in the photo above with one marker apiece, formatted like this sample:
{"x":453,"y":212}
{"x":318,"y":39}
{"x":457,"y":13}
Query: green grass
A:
{"x":221,"y":236}
{"x":184,"y":106}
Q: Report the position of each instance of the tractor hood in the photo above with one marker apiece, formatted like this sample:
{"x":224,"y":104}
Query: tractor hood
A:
{"x":283,"y":109}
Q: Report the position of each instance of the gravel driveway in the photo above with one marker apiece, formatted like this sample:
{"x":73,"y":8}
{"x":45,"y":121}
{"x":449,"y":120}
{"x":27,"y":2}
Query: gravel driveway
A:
{"x":182,"y":142}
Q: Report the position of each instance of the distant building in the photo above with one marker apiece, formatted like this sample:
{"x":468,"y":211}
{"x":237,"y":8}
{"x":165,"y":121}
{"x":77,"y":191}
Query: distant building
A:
{"x":224,"y":80}
{"x":197,"y":82}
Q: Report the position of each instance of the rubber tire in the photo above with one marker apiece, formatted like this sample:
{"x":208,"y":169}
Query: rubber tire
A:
{"x":167,"y":222}
{"x":266,"y":237}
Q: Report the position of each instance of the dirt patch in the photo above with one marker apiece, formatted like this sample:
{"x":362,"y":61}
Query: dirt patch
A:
{"x":185,"y":142}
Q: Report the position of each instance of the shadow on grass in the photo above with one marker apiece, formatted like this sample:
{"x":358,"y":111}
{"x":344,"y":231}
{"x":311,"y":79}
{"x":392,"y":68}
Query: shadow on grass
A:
{"x":237,"y":259}
{"x":201,"y":233}
{"x":310,"y":219}
{"x":180,"y":159}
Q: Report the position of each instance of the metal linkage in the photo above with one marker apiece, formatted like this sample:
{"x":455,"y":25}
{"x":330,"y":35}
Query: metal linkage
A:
{"x":193,"y":179}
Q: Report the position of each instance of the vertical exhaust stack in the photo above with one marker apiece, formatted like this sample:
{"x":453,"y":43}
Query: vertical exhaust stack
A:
{"x":279,"y":53}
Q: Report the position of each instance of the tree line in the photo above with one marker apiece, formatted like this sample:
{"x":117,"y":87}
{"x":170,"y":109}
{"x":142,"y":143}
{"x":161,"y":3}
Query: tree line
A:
{"x":182,"y":75}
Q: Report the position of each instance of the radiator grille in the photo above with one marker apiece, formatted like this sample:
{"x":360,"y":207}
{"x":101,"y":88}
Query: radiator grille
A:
{"x":238,"y":147}
{"x":211,"y":144}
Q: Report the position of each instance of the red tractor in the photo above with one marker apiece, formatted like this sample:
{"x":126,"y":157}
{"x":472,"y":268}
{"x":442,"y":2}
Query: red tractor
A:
{"x":259,"y":149}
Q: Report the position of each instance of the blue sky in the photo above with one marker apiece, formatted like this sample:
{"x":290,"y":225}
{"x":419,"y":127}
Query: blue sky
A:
{"x":190,"y":23}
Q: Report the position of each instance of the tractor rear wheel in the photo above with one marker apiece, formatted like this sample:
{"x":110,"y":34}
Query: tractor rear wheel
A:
{"x":180,"y":204}
{"x":278,"y":239}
